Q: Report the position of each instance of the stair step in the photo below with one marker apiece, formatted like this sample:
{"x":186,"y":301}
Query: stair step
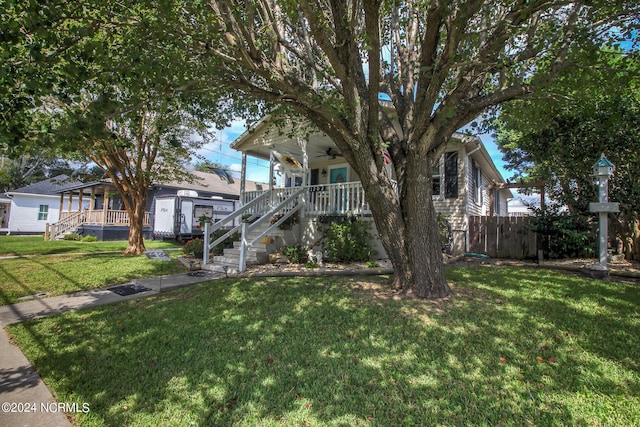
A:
{"x":258,"y":256}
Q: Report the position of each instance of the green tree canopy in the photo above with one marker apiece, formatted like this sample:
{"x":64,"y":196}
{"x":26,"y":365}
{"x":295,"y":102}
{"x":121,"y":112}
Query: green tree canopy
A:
{"x":559,"y":140}
{"x":441,"y":64}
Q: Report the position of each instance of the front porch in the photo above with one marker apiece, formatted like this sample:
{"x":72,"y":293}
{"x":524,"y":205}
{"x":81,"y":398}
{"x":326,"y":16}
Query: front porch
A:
{"x":264,"y":213}
{"x":91,"y":208}
{"x":318,"y":200}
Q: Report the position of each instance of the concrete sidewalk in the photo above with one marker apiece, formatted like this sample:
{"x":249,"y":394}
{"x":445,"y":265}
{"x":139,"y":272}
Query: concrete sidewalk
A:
{"x":19,"y":381}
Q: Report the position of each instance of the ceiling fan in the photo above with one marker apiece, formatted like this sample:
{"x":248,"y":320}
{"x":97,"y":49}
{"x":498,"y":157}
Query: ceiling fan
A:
{"x":331,"y":152}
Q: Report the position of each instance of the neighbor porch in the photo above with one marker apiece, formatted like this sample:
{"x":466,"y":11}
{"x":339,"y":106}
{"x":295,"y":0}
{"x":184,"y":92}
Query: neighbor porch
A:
{"x":91,"y":208}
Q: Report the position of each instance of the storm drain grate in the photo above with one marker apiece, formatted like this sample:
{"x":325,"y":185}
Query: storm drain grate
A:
{"x":124,"y":290}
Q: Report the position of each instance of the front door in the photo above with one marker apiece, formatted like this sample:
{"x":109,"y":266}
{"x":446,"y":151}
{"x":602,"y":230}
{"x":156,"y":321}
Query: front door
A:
{"x":186,"y":217}
{"x":339,"y":200}
{"x":337,"y":175}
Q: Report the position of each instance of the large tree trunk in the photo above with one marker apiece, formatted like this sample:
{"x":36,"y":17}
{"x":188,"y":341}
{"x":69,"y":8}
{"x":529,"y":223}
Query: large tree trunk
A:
{"x":135,"y":207}
{"x":408,"y":228}
{"x":412,"y":243}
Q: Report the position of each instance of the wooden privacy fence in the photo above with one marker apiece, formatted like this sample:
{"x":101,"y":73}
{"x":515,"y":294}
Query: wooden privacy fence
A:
{"x":502,"y":237}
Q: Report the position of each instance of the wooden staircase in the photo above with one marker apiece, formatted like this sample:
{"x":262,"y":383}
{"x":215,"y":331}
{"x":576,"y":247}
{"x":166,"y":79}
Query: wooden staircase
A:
{"x":66,"y":225}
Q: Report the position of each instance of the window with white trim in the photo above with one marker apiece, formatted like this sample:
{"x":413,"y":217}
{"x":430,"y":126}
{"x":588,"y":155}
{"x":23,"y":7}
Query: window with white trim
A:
{"x":436,"y":178}
{"x":476,"y":183}
{"x":43,"y":213}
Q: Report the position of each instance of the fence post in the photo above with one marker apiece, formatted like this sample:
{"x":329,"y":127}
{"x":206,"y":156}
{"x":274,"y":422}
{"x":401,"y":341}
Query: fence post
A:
{"x":207,"y":240}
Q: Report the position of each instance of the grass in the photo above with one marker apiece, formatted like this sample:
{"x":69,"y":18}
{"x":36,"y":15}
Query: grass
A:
{"x":35,"y":245}
{"x":512,"y":347}
{"x":76,"y":266}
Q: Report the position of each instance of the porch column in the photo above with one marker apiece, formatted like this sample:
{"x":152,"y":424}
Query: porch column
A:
{"x":105,"y":206}
{"x":243,"y":177}
{"x":61,"y":204}
{"x":271,"y":160}
{"x":92,"y":202}
{"x":70,"y":201}
{"x":80,"y":200}
{"x":305,"y":175}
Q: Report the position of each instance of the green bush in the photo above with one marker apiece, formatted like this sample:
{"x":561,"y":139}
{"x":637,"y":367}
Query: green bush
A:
{"x":562,"y":234}
{"x":295,"y":254}
{"x":226,"y":244}
{"x":348,"y":241}
{"x":445,"y":232}
{"x":72,"y":236}
{"x":194,"y":247}
{"x":89,"y":239}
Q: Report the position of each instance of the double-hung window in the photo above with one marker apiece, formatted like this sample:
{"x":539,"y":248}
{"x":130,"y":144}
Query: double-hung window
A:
{"x":43,"y":213}
{"x":476,"y":183}
{"x":445,"y":176}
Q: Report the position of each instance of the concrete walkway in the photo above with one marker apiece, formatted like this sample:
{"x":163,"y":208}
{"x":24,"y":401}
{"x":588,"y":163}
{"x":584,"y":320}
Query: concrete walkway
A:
{"x":20,"y":383}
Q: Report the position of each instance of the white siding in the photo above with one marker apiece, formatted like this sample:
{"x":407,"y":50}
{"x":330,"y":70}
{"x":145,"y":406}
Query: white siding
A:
{"x":26,"y":207}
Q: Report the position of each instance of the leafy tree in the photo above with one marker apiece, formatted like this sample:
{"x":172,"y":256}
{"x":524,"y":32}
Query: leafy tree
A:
{"x":560,"y":140}
{"x":89,"y":81}
{"x":441,"y":64}
{"x":26,"y":169}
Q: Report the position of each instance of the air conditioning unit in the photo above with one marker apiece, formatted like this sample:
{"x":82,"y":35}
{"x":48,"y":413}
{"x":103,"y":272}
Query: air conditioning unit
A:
{"x":187,"y":193}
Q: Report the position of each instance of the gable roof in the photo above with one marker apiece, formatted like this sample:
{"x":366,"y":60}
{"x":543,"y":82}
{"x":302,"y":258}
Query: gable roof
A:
{"x":48,"y":187}
{"x":212,"y":183}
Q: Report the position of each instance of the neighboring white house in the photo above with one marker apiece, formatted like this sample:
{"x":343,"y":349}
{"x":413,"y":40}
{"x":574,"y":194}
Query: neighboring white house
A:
{"x":5,"y":208}
{"x":518,"y":207}
{"x":36,"y":205}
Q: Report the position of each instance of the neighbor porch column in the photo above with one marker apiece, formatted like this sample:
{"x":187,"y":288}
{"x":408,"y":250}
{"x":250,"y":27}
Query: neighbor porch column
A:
{"x":70,"y":201}
{"x":92,"y":202}
{"x":80,"y":200}
{"x":105,"y":206}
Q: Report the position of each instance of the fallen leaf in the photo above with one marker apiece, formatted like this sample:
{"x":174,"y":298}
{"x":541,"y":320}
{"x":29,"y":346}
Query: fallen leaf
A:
{"x":503,"y":359}
{"x":552,"y":359}
{"x":539,"y":359}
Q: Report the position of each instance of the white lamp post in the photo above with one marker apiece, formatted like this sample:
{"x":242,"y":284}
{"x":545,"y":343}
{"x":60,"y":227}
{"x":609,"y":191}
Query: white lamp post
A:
{"x":603,"y":169}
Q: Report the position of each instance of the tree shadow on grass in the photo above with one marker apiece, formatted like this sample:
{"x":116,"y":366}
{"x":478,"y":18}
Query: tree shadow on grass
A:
{"x":302,"y":351}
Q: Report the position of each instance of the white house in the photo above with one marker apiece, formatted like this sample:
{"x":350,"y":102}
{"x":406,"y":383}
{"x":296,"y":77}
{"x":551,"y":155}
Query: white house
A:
{"x":322,"y":186}
{"x":36,"y":205}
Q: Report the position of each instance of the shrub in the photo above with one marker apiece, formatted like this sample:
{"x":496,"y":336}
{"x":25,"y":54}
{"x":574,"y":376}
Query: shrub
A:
{"x":226,"y":244}
{"x":564,"y":235}
{"x":194,"y":247}
{"x":290,"y":221}
{"x":348,"y":241}
{"x":72,"y":236}
{"x":89,"y":239}
{"x":446,"y":234}
{"x":295,"y":254}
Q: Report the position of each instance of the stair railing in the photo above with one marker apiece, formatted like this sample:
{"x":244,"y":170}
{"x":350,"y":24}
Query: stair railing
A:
{"x":253,"y":208}
{"x":288,"y":207}
{"x":68,"y":223}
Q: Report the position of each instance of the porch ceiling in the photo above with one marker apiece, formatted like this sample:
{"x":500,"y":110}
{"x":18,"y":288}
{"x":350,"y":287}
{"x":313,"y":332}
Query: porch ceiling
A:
{"x":259,"y":141}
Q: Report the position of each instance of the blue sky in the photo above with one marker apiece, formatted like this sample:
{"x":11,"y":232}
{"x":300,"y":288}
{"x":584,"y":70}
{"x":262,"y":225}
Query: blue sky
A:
{"x":258,"y":170}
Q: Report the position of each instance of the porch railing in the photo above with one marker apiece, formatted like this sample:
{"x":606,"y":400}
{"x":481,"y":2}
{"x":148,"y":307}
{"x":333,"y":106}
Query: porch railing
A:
{"x":327,"y":199}
{"x":69,"y":221}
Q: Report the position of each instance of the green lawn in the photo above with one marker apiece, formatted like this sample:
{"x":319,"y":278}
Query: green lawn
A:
{"x":512,"y":347}
{"x":35,"y":245}
{"x":61,"y":267}
{"x":59,"y":275}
